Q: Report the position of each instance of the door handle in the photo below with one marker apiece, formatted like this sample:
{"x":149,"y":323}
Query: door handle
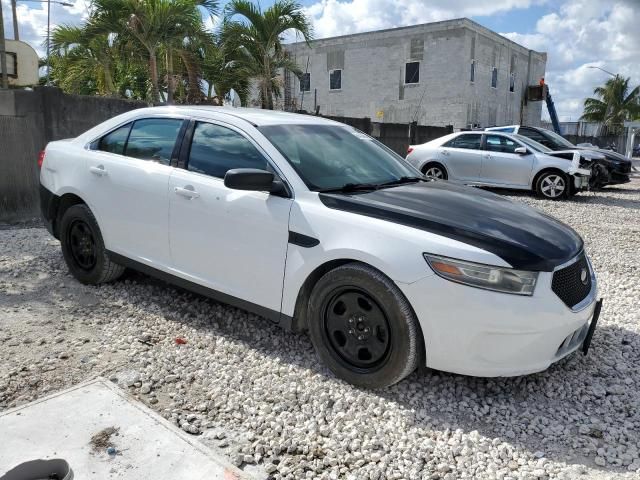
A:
{"x":99,"y":170}
{"x":486,"y":155}
{"x":188,"y":192}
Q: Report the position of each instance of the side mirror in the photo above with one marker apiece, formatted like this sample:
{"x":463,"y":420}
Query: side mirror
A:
{"x":521,"y":151}
{"x":252,"y":179}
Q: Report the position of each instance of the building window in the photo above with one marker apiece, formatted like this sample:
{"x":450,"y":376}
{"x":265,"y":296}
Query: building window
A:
{"x":473,"y":71}
{"x":305,"y":82}
{"x":494,"y":77}
{"x":412,"y":72}
{"x":512,"y":82}
{"x":335,"y":79}
{"x":12,"y":64}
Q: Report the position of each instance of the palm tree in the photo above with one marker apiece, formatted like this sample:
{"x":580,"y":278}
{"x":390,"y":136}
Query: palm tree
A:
{"x":615,"y":104}
{"x":256,"y":41}
{"x":83,"y":62}
{"x":152,"y":25}
{"x":223,"y":72}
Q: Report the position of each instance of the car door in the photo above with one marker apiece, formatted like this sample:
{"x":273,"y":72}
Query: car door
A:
{"x":501,"y":165}
{"x":128,"y":171}
{"x":462,"y":156}
{"x":231,"y":241}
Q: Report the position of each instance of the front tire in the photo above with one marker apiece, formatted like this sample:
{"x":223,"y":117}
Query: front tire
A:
{"x":553,"y":185}
{"x":83,"y":248}
{"x":362,"y":327}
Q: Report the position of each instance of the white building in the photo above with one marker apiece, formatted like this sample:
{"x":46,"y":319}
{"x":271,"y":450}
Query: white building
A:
{"x":454,"y":72}
{"x":22,"y":64}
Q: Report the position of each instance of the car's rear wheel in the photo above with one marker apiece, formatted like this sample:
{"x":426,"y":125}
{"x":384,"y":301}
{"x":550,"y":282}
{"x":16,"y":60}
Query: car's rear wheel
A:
{"x":362,"y":327}
{"x":435,"y":170}
{"x":83,"y":248}
{"x":552,"y":185}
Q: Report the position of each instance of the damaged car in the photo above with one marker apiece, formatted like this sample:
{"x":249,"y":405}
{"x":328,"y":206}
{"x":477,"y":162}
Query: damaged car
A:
{"x":503,"y":160}
{"x":612,"y":168}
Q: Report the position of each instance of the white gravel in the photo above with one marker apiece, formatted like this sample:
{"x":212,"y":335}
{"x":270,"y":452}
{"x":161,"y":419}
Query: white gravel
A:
{"x":259,"y":394}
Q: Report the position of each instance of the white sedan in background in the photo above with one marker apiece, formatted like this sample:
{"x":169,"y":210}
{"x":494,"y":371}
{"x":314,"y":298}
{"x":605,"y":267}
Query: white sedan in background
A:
{"x":504,"y":160}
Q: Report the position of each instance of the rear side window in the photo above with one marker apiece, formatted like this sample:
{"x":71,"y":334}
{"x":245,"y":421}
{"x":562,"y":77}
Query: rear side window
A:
{"x":469,"y":142}
{"x":216,"y":149}
{"x":153,"y":139}
{"x":498,"y":143}
{"x":115,"y":141}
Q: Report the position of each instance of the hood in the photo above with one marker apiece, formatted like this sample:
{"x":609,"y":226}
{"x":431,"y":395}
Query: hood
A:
{"x":610,"y":155}
{"x":525,"y":238}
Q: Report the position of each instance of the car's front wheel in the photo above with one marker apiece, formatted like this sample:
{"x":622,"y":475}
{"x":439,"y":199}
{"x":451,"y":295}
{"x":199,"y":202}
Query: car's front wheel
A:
{"x":362,"y":327}
{"x":552,"y":185}
{"x":83,"y":248}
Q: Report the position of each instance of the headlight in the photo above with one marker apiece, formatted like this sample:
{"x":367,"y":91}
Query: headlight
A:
{"x":499,"y":279}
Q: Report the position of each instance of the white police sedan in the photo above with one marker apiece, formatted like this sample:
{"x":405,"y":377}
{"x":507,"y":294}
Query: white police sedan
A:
{"x":316,"y":226}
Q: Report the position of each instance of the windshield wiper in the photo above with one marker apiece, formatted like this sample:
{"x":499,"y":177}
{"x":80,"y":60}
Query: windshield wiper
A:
{"x":349,"y":187}
{"x":402,"y":181}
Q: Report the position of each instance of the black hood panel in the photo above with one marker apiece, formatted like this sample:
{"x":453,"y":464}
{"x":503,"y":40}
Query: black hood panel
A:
{"x":610,"y":155}
{"x":524,"y":237}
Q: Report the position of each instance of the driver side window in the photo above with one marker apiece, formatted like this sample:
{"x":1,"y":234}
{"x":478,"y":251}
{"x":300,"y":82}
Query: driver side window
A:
{"x":216,"y":150}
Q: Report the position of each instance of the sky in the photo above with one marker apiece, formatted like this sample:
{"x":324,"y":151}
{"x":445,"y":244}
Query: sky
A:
{"x":576,"y":34}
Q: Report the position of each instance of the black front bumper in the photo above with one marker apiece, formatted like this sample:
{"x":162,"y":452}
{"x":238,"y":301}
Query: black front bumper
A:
{"x":618,"y":173}
{"x":592,"y":327}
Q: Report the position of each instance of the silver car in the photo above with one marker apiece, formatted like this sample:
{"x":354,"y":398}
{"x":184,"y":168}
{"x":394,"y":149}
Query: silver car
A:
{"x":504,"y":160}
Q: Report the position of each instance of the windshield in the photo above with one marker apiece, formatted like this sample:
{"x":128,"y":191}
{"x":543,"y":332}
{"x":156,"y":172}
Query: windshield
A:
{"x":330,"y":157}
{"x":538,"y":147}
{"x":559,"y":140}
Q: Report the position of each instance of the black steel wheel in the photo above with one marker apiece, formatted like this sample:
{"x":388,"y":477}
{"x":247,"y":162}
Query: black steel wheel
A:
{"x":357,"y":328}
{"x":362,"y":326}
{"x":83,"y":248}
{"x":82,"y":244}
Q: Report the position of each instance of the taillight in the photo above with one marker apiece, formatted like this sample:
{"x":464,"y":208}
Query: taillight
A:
{"x":40,"y":158}
{"x":409,"y":150}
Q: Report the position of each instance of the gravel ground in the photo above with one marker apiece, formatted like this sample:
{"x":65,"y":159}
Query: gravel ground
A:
{"x":259,"y":394}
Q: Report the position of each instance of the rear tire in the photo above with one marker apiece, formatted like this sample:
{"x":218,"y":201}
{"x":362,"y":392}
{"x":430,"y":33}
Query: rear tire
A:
{"x":435,"y":170}
{"x":362,"y":327}
{"x":553,"y":185}
{"x":83,"y":248}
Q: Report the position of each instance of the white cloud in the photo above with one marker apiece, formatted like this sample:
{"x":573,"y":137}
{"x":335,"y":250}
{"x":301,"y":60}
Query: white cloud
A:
{"x":334,"y":17}
{"x":583,"y":34}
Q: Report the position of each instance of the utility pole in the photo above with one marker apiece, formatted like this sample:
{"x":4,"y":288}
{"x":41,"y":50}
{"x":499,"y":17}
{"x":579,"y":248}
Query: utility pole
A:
{"x":48,"y":41}
{"x":16,"y":35}
{"x":3,"y":53}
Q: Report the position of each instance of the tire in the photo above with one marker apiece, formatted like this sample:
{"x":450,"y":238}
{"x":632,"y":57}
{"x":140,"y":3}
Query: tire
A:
{"x":355,"y":308}
{"x":553,"y":185}
{"x":599,"y":177}
{"x":83,"y":248}
{"x":435,"y":170}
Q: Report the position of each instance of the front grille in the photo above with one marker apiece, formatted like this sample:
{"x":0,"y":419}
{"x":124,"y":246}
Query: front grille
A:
{"x":567,"y":283}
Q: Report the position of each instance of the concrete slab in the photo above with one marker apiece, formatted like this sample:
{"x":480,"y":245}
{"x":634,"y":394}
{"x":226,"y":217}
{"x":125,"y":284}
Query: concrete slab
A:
{"x":149,"y":447}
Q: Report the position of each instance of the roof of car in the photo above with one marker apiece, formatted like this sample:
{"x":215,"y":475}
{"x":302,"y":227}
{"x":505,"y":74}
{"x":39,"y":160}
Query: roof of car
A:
{"x":255,"y":116}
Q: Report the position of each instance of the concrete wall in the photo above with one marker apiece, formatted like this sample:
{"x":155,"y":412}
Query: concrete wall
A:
{"x":373,"y":75}
{"x":28,"y":121}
